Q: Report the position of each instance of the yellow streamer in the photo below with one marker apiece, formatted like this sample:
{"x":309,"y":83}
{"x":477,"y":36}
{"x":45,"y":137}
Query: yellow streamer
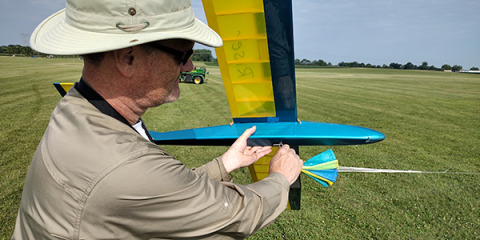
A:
{"x":316,"y":176}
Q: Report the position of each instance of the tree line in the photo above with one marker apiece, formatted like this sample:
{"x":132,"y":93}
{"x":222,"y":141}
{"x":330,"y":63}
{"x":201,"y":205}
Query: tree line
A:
{"x":18,"y":49}
{"x":205,"y":55}
{"x":408,"y":65}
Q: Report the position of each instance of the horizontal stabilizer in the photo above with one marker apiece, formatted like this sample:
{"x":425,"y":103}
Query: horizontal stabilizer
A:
{"x":268,"y":134}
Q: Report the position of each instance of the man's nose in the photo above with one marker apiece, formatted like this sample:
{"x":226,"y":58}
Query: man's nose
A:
{"x":188,"y":66}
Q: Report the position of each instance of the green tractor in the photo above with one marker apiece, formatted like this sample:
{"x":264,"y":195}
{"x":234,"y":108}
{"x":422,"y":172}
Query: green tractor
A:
{"x":197,"y":76}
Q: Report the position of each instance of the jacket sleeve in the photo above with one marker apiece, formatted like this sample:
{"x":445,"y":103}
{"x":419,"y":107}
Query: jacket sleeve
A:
{"x":215,"y":170}
{"x":157,"y":197}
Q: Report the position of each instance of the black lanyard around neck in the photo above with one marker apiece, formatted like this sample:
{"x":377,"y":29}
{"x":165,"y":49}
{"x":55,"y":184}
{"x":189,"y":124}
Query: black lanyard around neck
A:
{"x":103,"y":106}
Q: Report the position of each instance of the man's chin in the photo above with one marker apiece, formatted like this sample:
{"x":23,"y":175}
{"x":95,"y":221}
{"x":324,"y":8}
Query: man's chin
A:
{"x":174,"y":95}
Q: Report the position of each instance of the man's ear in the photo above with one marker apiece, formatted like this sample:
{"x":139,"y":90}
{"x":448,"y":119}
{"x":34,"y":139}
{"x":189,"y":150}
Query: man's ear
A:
{"x":125,"y":61}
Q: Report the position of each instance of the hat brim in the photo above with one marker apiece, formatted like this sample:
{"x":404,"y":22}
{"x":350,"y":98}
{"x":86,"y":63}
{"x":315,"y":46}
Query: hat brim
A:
{"x":55,"y":36}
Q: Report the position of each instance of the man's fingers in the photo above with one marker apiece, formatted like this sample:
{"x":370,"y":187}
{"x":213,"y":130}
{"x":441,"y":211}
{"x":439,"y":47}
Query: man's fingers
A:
{"x":246,"y":134}
{"x":263,"y":152}
{"x":253,"y":148}
{"x":287,"y":162}
{"x":285,"y":149}
{"x":257,"y":149}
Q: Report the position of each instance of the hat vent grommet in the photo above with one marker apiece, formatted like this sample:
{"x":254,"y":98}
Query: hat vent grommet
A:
{"x":132,"y":11}
{"x":118,"y":25}
{"x":132,"y":27}
{"x":148,"y":24}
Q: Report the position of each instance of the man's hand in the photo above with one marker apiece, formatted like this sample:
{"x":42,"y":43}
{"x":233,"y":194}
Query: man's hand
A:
{"x":286,"y":162}
{"x":240,"y":155}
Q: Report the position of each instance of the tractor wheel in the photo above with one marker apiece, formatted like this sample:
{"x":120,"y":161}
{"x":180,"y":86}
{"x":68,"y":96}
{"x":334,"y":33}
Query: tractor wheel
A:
{"x":197,"y":80}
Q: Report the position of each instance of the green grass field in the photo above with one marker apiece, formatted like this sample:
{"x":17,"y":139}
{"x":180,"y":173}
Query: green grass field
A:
{"x":431,"y":121}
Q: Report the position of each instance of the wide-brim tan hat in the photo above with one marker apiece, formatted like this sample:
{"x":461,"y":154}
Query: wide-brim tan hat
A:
{"x":91,"y":26}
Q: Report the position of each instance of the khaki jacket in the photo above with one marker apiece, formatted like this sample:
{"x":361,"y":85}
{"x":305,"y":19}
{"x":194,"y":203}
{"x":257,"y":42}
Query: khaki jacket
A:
{"x":93,"y":177}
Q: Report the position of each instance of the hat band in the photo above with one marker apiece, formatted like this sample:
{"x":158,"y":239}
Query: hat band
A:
{"x":108,"y":24}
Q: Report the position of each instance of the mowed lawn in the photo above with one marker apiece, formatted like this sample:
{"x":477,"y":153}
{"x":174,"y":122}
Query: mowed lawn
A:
{"x":431,"y":121}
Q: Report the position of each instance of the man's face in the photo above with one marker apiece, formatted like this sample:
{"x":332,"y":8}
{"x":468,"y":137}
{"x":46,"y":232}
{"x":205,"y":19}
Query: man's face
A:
{"x":161,"y":83}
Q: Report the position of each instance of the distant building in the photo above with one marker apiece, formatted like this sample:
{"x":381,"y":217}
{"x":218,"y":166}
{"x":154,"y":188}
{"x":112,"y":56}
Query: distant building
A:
{"x":447,"y":70}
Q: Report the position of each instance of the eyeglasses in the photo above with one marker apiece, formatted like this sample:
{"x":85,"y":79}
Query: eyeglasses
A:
{"x":183,"y":57}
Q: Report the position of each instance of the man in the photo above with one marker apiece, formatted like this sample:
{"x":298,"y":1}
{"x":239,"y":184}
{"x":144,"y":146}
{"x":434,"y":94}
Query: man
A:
{"x":97,"y":175}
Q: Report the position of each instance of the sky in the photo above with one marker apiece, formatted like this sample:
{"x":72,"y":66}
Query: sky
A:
{"x":374,"y":31}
